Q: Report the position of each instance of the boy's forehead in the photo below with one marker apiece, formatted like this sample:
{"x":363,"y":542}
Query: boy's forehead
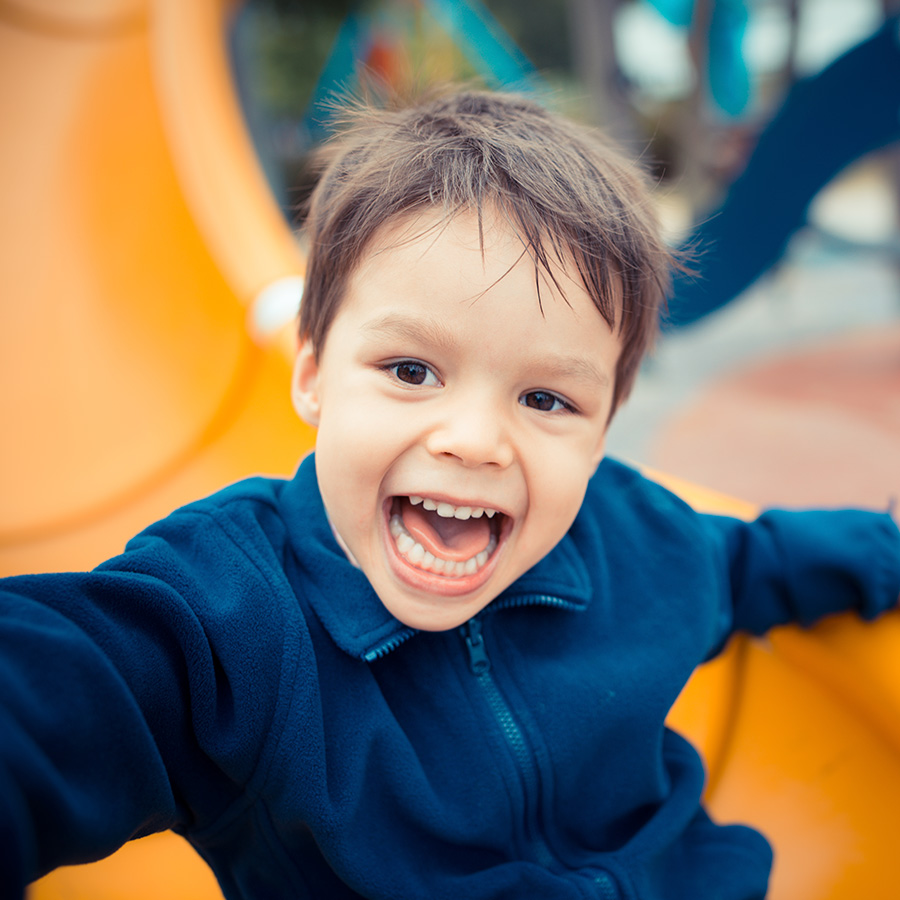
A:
{"x":493,"y":241}
{"x":494,"y":246}
{"x":423,"y":262}
{"x":467,"y":227}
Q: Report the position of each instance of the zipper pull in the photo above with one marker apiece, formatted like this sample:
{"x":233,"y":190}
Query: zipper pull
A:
{"x":479,"y":662}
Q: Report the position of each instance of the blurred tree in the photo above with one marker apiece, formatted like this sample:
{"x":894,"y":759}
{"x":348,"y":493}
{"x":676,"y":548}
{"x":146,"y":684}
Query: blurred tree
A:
{"x":290,"y":42}
{"x":540,"y":28}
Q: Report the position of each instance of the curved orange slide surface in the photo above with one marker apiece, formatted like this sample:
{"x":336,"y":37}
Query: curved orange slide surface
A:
{"x":142,"y":367}
{"x":136,"y":236}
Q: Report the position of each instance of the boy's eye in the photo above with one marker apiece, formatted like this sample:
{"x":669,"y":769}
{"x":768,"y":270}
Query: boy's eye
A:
{"x":544,"y":401}
{"x":411,"y":372}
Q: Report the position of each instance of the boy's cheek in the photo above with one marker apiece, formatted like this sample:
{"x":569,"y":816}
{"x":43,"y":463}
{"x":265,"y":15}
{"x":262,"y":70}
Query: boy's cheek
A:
{"x":599,"y":453}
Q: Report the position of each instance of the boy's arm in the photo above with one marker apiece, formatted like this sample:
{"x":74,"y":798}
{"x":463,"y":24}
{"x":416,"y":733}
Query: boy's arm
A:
{"x":133,"y":698}
{"x":800,"y":566}
{"x":80,"y":771}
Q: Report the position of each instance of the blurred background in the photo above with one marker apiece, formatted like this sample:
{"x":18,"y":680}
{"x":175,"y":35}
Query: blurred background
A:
{"x":778,"y":379}
{"x":154,"y":161}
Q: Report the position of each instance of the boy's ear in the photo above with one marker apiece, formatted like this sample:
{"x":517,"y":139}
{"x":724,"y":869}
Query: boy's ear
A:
{"x":305,"y":385}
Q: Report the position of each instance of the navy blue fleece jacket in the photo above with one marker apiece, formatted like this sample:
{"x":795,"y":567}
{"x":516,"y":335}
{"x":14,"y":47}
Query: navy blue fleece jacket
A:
{"x":233,"y":677}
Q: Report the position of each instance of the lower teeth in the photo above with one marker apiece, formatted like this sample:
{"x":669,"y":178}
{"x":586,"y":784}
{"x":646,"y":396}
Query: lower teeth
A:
{"x":412,"y":551}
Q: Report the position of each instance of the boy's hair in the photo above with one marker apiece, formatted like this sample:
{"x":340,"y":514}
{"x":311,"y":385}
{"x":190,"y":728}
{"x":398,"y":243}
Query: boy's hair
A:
{"x":567,"y":192}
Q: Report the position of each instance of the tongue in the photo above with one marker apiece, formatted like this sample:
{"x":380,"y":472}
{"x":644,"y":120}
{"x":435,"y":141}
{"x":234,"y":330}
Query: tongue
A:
{"x":452,"y":539}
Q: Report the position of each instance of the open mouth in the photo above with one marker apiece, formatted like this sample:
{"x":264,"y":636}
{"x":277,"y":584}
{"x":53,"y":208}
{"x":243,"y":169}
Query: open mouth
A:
{"x":442,"y":539}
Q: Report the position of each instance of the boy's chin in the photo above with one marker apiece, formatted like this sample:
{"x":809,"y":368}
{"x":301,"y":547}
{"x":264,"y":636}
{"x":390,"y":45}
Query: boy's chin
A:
{"x":438,"y":615}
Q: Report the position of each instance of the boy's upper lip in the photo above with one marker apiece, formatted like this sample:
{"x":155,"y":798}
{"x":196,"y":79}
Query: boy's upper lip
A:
{"x":456,"y":501}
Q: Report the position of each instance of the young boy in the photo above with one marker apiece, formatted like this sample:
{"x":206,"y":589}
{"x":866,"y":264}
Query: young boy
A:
{"x":437,"y":662}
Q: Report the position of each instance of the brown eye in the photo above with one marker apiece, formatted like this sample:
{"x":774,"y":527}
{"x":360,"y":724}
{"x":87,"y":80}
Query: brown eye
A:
{"x":543,"y":401}
{"x":411,"y":372}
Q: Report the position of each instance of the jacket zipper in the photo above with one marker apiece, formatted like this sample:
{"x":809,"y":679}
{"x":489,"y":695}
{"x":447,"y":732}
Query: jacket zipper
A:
{"x":480,"y":667}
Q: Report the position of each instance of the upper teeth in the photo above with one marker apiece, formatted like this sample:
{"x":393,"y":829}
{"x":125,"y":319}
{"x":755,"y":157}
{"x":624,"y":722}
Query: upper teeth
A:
{"x":449,"y":511}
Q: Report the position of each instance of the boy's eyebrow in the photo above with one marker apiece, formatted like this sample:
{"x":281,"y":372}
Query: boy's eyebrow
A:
{"x":428,"y":331}
{"x":431,"y":331}
{"x":575,"y":368}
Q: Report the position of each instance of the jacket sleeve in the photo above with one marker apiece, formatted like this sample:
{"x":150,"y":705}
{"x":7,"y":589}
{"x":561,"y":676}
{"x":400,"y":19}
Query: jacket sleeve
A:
{"x":80,"y":770}
{"x":799,"y":566}
{"x":125,"y":698}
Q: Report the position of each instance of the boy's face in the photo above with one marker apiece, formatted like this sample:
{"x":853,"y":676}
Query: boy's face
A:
{"x":458,"y":423}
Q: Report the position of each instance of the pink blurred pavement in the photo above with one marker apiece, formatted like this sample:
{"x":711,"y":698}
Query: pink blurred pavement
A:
{"x":817,"y":425}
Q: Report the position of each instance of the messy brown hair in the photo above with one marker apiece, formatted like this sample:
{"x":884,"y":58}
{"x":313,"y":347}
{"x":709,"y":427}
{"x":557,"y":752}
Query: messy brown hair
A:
{"x":568,"y":193}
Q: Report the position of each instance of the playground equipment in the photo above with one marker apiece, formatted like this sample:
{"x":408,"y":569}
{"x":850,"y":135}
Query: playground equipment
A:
{"x":365,"y":43}
{"x":825,"y":123}
{"x":140,"y":255}
{"x":139,"y":239}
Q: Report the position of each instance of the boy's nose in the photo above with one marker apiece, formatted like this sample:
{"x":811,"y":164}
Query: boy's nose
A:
{"x":476,"y":434}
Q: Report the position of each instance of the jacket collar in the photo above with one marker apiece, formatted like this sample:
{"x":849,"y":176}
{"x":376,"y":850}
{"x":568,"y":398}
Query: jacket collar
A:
{"x":350,"y":610}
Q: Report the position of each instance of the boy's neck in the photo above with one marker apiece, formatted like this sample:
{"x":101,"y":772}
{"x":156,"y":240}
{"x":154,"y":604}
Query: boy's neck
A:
{"x":341,"y":544}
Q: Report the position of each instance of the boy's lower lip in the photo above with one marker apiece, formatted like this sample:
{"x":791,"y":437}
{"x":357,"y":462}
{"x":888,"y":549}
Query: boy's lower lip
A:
{"x":431,"y":582}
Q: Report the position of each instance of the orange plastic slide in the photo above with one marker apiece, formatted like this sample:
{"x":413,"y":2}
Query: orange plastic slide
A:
{"x":137,"y":241}
{"x":145,"y":267}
